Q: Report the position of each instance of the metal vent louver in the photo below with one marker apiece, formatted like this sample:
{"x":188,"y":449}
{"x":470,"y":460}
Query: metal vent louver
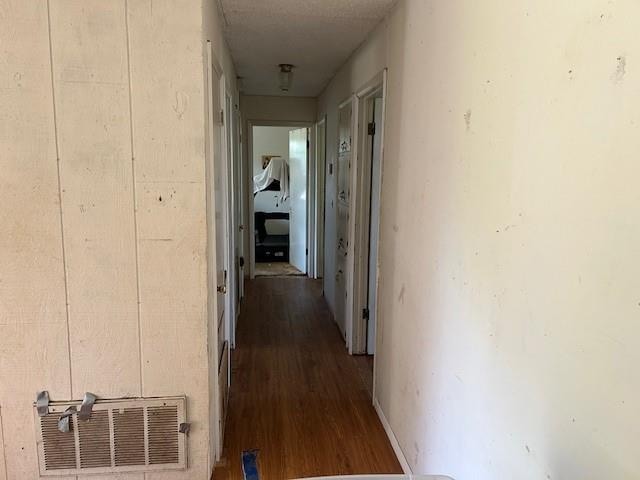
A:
{"x":128,"y":435}
{"x":163,"y":446}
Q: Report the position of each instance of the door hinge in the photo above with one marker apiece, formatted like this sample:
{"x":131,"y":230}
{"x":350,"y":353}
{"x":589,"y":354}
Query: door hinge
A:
{"x":306,"y":251}
{"x":371,"y":128}
{"x":365,"y":313}
{"x":222,"y":117}
{"x":241,"y":261}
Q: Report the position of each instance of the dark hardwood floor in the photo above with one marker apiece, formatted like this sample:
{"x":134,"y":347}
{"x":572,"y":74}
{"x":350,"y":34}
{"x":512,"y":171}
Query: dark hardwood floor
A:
{"x":296,"y":394}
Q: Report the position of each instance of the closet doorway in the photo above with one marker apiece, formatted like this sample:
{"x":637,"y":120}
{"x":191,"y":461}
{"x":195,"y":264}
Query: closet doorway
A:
{"x":369,"y":119}
{"x":280,"y":187}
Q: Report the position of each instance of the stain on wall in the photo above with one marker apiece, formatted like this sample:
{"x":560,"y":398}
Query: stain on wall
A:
{"x":621,"y":68}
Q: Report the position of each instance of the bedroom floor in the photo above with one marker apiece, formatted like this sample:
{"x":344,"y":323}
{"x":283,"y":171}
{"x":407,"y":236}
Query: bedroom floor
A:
{"x":276,"y":269}
{"x":296,"y":394}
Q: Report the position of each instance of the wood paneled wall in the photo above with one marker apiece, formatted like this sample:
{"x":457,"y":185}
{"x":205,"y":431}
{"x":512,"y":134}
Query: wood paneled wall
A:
{"x":102,"y":224}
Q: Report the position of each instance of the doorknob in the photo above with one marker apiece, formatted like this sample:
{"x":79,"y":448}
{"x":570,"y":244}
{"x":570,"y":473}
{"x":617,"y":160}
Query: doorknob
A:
{"x":222,"y":289}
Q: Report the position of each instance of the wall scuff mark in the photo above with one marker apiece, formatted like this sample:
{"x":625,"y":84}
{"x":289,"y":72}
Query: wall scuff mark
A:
{"x":621,"y":69}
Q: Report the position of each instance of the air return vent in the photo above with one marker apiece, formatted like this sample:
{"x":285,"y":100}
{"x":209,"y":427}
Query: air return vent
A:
{"x":129,"y":435}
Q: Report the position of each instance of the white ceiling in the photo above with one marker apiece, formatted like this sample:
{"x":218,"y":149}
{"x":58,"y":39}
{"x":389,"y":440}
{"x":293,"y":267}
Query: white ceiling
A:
{"x":317,"y":36}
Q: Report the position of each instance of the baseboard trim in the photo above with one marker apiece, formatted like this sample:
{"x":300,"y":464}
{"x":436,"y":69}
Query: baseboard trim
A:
{"x":392,"y":438}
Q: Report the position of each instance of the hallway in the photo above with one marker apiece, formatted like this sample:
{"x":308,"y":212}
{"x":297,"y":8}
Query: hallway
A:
{"x":462,"y":176}
{"x":296,"y":394}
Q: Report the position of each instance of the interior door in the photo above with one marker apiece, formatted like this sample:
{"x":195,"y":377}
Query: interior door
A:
{"x":239,"y":189}
{"x":320,"y":194}
{"x":343,"y":198}
{"x":298,"y":199}
{"x":217,"y":240}
{"x":231,"y":225}
{"x":374,"y":225}
{"x":220,"y":194}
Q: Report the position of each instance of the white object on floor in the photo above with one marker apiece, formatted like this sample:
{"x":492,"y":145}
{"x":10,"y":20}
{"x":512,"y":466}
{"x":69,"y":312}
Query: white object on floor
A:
{"x":382,"y":477}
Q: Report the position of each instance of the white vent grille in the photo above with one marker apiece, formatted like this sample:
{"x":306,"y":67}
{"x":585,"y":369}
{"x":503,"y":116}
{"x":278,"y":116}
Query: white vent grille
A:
{"x":129,"y":435}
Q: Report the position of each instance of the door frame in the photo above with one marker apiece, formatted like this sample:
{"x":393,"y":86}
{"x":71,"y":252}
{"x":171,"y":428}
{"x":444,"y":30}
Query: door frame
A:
{"x":361,"y":201}
{"x":320,"y":190}
{"x":311,"y":202}
{"x":249,"y":181}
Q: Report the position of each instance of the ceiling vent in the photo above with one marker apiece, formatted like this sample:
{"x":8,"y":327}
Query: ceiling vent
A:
{"x":128,"y":435}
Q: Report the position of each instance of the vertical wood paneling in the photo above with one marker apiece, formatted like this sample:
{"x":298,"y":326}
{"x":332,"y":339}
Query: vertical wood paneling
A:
{"x":168,"y":141}
{"x":93,"y":122}
{"x":167,"y":90}
{"x":3,"y":464}
{"x":33,"y":331}
{"x":172,"y":289}
{"x":89,"y":202}
{"x":171,"y":261}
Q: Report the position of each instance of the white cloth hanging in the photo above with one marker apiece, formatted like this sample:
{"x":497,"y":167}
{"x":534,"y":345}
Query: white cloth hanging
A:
{"x":278,"y":169}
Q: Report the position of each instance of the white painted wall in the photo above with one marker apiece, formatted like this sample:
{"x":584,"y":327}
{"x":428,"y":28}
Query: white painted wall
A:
{"x":282,"y":109}
{"x":103,"y":284}
{"x":269,"y":141}
{"x":508,"y":311}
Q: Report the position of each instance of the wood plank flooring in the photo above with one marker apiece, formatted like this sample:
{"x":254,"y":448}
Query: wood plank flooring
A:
{"x":296,"y":394}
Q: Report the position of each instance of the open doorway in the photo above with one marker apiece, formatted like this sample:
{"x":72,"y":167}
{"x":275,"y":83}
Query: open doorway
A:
{"x":374,"y":155}
{"x":368,"y":175}
{"x":280,"y":184}
{"x":371,"y":175}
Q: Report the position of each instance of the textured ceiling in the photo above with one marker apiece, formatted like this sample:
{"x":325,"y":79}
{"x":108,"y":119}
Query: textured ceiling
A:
{"x":317,"y":36}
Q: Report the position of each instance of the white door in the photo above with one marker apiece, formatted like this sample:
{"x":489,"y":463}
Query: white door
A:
{"x":374,"y":225}
{"x":342,"y":199}
{"x":217,"y":242}
{"x":239,"y":188}
{"x":319,"y":192}
{"x":298,"y":199}
{"x":220,"y":201}
{"x":232,"y":259}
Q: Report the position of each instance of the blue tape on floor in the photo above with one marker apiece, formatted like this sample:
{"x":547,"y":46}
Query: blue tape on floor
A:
{"x":249,"y":465}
